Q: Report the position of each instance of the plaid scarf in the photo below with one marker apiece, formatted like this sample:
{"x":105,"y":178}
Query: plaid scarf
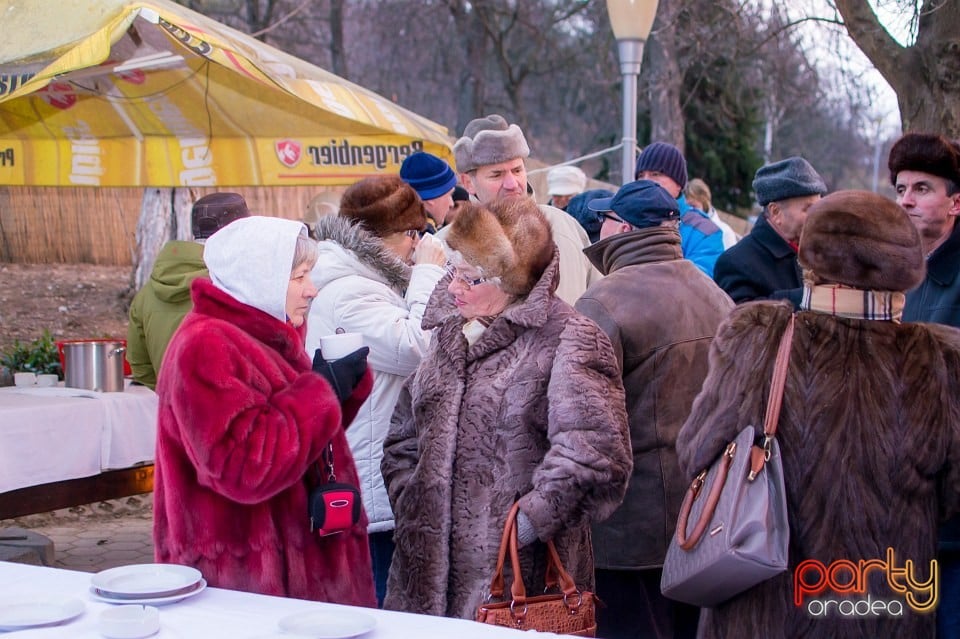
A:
{"x":846,"y":301}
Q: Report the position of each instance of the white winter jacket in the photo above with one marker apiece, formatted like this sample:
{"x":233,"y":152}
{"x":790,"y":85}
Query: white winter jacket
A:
{"x":365,"y":288}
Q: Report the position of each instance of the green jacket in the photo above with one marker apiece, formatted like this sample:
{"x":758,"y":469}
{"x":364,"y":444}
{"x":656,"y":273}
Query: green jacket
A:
{"x":159,"y":307}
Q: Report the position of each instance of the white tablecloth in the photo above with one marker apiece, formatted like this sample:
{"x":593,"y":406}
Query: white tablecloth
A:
{"x":216,"y":613}
{"x":56,"y":433}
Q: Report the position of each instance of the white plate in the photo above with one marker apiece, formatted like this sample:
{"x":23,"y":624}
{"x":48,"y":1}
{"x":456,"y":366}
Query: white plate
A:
{"x":146,"y":580}
{"x":328,"y":625}
{"x":19,"y":613}
{"x":100,"y":595}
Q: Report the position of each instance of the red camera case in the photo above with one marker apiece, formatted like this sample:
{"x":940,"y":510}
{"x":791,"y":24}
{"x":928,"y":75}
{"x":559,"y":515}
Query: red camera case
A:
{"x":333,"y":508}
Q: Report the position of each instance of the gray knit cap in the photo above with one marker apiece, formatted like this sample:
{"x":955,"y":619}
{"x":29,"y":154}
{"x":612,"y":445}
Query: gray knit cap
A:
{"x":793,"y":177}
{"x":489,"y":140}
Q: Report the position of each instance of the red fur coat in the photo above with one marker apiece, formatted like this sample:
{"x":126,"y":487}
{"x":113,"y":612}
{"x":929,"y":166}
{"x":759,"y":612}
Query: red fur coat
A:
{"x":242,"y":418}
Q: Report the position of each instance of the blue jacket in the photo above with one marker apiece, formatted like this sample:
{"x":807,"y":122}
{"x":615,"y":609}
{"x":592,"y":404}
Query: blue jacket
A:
{"x":700,"y":239}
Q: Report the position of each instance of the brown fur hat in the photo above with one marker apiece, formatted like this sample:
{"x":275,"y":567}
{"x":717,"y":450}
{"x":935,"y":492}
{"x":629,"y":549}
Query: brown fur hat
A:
{"x":489,"y":140}
{"x":508,"y":238}
{"x":384,"y":204}
{"x":862,"y":239}
{"x":926,"y":153}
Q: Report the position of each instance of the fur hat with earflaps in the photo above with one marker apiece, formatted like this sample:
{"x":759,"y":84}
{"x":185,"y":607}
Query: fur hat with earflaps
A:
{"x":489,"y":140}
{"x":383,"y":204}
{"x":926,"y":153}
{"x":508,"y":239}
{"x":861,"y":239}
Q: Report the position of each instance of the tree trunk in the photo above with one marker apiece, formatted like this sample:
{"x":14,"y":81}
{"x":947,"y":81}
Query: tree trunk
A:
{"x":666,"y":80}
{"x":164,"y":215}
{"x":926,"y":75}
{"x":338,"y":55}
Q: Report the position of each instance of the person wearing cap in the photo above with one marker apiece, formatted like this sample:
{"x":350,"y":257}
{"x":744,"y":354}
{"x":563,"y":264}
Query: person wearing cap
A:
{"x":434,"y":181}
{"x":925,"y":171}
{"x":700,"y":239}
{"x":244,"y":419}
{"x":518,"y":400}
{"x":563,"y":182}
{"x":375,"y":275}
{"x":868,"y":431}
{"x":490,"y":160}
{"x":578,"y":209}
{"x":763,"y":265}
{"x":662,"y":354}
{"x":158,"y":308}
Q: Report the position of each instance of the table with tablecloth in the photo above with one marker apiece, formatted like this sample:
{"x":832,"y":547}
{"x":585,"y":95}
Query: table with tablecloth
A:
{"x":222,"y":613}
{"x":53,"y":434}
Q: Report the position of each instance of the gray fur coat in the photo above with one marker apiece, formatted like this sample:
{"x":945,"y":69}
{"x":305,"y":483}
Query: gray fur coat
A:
{"x":533,"y":410}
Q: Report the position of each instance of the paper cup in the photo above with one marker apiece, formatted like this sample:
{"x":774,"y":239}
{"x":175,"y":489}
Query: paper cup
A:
{"x":339,"y":345}
{"x":24,"y":379}
{"x":47,"y":379}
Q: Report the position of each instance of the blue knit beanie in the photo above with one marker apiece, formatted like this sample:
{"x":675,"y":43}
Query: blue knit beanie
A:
{"x":664,"y":158}
{"x":429,"y":176}
{"x":591,"y":221}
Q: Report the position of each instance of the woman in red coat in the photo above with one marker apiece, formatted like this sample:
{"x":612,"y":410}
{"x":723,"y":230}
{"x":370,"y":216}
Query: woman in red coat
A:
{"x":243,"y":420}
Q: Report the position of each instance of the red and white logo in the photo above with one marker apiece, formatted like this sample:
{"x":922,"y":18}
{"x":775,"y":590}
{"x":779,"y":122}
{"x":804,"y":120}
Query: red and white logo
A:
{"x":288,"y":152}
{"x":58,"y":94}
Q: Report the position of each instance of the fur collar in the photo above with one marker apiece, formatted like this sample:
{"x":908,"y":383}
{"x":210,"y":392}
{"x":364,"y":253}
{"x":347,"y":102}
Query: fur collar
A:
{"x":641,"y":246}
{"x":530,"y":310}
{"x":210,"y":301}
{"x":368,"y":249}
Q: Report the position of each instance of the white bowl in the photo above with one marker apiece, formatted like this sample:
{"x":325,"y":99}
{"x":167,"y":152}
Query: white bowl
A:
{"x":129,"y":622}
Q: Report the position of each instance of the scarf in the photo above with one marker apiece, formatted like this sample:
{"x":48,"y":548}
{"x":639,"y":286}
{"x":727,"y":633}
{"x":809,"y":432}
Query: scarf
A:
{"x":846,"y":301}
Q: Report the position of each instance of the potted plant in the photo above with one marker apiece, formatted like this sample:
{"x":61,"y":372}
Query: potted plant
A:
{"x":39,"y":356}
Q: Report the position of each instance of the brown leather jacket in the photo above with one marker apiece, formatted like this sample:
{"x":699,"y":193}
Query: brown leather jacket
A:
{"x":661,"y":313}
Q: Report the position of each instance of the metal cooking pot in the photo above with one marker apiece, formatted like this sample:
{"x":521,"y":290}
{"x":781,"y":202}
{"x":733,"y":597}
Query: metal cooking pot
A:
{"x":95,"y":365}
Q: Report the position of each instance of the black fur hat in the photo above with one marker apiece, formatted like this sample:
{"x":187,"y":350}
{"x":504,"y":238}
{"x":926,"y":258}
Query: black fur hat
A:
{"x":926,"y":153}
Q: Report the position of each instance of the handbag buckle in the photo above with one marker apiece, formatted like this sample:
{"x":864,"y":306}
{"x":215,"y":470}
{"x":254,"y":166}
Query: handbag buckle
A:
{"x":518,"y":618}
{"x":767,"y":445}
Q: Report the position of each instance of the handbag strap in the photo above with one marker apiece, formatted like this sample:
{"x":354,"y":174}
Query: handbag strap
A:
{"x":556,"y":574}
{"x":759,"y":453}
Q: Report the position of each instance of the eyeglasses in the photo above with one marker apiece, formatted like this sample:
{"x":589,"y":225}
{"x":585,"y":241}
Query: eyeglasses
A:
{"x":610,"y":216}
{"x":458,"y":276}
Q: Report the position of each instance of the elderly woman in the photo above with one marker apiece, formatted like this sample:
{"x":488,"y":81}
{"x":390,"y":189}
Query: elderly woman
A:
{"x":519,"y":398}
{"x":243,"y":421}
{"x":869,"y":430}
{"x":374,"y":277}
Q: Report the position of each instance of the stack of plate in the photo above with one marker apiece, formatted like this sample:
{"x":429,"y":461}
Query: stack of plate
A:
{"x":148,"y":584}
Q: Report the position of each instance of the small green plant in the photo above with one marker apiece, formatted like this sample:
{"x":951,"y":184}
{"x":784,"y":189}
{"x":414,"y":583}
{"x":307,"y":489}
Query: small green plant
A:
{"x":39,"y":356}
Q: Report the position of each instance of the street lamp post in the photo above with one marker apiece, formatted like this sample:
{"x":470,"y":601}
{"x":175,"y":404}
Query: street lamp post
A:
{"x":631,"y":21}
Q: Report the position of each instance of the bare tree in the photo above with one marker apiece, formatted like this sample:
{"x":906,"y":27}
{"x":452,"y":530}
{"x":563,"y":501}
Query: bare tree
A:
{"x":926,"y":74}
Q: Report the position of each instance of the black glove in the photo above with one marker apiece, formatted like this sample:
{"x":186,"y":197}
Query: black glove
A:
{"x":343,"y":374}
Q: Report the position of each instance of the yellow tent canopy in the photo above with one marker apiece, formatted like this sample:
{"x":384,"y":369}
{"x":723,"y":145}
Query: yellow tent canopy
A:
{"x":150,"y":93}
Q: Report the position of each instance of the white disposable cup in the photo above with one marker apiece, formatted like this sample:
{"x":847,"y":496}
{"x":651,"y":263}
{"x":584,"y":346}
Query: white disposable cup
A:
{"x":47,"y":379}
{"x":129,"y":622}
{"x":24,"y":379}
{"x":339,"y":345}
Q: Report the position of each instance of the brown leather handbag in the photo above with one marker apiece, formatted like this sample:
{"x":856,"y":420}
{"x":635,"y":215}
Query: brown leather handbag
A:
{"x":568,"y":612}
